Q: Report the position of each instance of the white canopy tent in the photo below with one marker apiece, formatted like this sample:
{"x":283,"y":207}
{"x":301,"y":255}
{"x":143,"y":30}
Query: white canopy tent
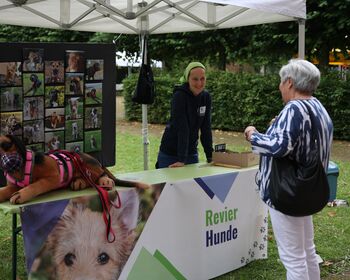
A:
{"x":151,"y":17}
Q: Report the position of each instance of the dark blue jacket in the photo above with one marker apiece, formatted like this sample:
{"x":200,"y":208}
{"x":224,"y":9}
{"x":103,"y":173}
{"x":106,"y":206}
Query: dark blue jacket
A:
{"x":189,"y":115}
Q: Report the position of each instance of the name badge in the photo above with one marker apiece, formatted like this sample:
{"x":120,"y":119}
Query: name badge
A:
{"x":202,"y":111}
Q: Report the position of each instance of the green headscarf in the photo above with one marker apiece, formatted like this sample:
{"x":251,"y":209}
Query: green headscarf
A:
{"x":188,"y":69}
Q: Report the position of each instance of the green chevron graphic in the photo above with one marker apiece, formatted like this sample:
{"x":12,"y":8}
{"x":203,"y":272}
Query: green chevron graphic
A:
{"x":155,"y":267}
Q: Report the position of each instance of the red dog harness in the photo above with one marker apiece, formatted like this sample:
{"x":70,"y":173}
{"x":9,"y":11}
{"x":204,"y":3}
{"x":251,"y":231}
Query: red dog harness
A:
{"x":27,"y":178}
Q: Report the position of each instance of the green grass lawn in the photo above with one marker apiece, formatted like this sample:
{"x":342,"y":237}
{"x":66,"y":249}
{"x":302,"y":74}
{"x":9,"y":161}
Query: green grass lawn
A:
{"x":332,"y":225}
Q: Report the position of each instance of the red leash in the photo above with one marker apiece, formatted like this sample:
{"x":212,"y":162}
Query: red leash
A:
{"x":102,"y":192}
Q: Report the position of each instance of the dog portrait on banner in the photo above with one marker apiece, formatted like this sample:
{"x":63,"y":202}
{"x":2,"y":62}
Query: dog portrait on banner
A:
{"x":76,"y":247}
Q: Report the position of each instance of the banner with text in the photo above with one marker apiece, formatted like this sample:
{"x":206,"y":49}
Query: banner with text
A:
{"x":201,"y":228}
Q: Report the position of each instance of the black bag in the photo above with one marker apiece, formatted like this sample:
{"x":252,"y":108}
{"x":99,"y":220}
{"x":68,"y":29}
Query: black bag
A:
{"x":297,"y":189}
{"x":145,"y":89}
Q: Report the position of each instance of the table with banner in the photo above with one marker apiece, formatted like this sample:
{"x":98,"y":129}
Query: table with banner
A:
{"x":195,"y":222}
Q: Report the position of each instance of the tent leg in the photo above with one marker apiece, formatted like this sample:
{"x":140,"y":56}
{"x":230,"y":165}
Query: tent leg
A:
{"x":145,"y":136}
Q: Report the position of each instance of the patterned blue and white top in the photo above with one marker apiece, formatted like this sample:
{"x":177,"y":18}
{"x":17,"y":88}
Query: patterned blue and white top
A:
{"x":290,"y":134}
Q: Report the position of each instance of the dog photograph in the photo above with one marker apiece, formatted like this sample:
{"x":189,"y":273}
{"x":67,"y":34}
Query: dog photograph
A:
{"x":54,"y":96}
{"x":92,"y":141}
{"x":10,"y":74}
{"x":33,"y":132}
{"x":11,"y":99}
{"x":93,"y":117}
{"x":11,"y":123}
{"x":54,"y":72}
{"x":74,"y":130}
{"x":94,"y":69}
{"x":93,"y":93}
{"x":75,"y":146}
{"x":33,"y":60}
{"x":54,"y":119}
{"x":33,"y":108}
{"x":74,"y":108}
{"x":36,"y":147}
{"x":77,"y":248}
{"x":74,"y":83}
{"x":54,"y":140}
{"x":33,"y":84}
{"x":75,"y":61}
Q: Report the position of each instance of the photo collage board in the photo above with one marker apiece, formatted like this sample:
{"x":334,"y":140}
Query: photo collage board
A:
{"x":53,"y":104}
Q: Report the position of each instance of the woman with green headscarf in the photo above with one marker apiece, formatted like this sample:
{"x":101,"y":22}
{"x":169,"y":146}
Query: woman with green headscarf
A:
{"x":190,"y":113}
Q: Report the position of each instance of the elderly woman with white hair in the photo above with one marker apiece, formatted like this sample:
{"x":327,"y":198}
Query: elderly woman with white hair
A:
{"x":289,"y":135}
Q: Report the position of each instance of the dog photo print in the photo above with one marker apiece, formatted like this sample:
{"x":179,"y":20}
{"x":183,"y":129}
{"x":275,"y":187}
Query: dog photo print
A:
{"x":33,"y":108}
{"x":11,"y":99}
{"x":54,"y":140}
{"x":92,"y":141}
{"x":74,"y":130}
{"x":11,"y":123}
{"x":10,"y":74}
{"x":33,"y":60}
{"x":54,"y":96}
{"x":54,"y":72}
{"x":75,"y":61}
{"x":54,"y":119}
{"x":94,"y":69}
{"x":39,"y":147}
{"x":74,"y":83}
{"x":74,"y":108}
{"x":33,"y":84}
{"x":33,"y":132}
{"x":93,"y":93}
{"x":93,"y":117}
{"x":75,"y":146}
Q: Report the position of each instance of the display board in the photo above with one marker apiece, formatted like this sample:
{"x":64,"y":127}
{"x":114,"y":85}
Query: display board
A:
{"x":60,"y":96}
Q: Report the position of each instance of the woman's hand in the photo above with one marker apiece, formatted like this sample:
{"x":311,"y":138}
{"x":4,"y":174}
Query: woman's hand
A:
{"x":249,"y":131}
{"x":176,"y":164}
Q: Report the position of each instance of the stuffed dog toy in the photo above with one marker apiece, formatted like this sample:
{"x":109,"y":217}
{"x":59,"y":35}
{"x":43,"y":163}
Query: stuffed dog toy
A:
{"x":30,"y":174}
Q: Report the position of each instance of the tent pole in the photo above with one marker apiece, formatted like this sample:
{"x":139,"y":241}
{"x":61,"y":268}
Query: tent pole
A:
{"x":301,"y":41}
{"x":144,"y":112}
{"x":144,"y":28}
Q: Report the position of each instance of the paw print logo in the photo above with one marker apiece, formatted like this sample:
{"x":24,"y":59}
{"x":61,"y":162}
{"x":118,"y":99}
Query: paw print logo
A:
{"x":265,"y":220}
{"x":247,"y":261}
{"x":250,"y":251}
{"x":262,"y":246}
{"x":262,"y":229}
{"x":252,"y":255}
{"x":265,"y":237}
{"x":263,"y":255}
{"x":242,"y":260}
{"x":255,"y":244}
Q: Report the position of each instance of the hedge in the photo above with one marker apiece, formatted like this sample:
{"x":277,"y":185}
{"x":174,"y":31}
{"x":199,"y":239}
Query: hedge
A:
{"x":241,"y":99}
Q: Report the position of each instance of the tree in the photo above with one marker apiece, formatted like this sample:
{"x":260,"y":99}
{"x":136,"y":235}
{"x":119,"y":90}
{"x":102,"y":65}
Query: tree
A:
{"x":12,"y":33}
{"x":327,"y":28}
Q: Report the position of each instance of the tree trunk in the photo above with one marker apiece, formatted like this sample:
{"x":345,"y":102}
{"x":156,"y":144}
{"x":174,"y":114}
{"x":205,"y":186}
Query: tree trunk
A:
{"x":222,"y":59}
{"x":323,"y":57}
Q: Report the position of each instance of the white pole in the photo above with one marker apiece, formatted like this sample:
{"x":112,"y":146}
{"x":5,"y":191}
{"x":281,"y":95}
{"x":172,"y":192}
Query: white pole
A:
{"x":301,"y":41}
{"x":143,"y":24}
{"x":145,"y":115}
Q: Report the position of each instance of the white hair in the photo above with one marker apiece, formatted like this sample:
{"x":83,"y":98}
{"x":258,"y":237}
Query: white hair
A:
{"x":304,"y":75}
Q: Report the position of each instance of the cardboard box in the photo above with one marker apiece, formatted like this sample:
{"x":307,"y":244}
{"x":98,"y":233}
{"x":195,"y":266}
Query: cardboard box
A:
{"x":235,"y":159}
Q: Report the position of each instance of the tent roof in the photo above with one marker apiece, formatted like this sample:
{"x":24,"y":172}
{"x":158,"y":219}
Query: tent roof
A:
{"x":156,"y":16}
